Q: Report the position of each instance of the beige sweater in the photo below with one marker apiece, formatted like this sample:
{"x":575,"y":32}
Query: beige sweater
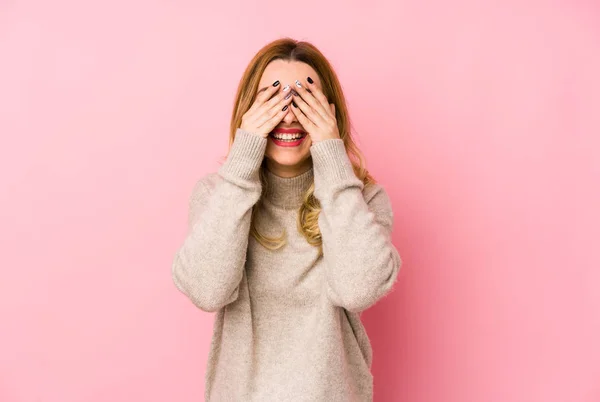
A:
{"x":287,"y":324}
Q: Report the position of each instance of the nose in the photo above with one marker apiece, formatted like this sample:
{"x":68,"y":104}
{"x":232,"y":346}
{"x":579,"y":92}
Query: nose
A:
{"x":289,"y":117}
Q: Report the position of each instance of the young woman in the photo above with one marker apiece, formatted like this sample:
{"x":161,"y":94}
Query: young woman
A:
{"x":289,"y":241}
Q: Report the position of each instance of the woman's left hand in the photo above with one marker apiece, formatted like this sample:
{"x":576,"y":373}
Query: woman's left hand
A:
{"x":314,"y":112}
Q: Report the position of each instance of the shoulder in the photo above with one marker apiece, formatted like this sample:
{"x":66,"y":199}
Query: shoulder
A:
{"x":379,"y":202}
{"x":204,"y":186}
{"x":375,"y":193}
{"x":209,"y":180}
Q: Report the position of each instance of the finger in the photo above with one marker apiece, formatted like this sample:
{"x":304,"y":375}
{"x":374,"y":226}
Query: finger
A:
{"x":275,"y":100}
{"x":318,"y":94}
{"x":265,"y":95}
{"x":284,"y":100}
{"x":309,"y":112}
{"x":270,"y":124}
{"x":308,"y":125}
{"x":308,"y":97}
{"x":264,"y":111}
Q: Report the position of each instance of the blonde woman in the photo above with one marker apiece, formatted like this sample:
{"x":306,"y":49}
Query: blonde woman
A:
{"x":289,"y":241}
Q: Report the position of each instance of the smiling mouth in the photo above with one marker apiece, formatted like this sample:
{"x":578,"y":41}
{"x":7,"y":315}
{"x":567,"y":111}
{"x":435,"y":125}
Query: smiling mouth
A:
{"x":285,"y":137}
{"x":294,"y":141}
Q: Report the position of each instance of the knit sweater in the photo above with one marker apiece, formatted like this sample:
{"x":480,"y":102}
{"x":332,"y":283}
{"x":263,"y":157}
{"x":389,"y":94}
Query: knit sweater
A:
{"x":287,"y":325}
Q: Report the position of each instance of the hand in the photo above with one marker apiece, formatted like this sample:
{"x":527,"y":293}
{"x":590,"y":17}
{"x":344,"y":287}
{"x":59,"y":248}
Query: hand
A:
{"x":265,"y":113}
{"x":314,"y":112}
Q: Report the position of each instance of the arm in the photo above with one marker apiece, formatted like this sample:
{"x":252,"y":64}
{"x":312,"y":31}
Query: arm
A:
{"x":361,"y":263}
{"x":208,"y":267}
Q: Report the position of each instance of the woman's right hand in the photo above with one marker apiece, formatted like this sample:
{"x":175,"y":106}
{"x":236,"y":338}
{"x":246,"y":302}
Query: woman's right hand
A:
{"x":266,"y":112}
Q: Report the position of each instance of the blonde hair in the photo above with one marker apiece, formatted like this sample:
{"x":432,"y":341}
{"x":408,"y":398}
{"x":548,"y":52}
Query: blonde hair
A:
{"x":292,"y":50}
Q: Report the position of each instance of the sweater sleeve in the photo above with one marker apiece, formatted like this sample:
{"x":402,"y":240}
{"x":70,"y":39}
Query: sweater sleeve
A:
{"x":361,"y":263}
{"x":208,"y":266}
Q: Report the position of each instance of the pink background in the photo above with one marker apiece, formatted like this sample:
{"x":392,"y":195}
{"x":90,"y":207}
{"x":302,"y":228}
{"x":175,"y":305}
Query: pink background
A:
{"x":482,"y":121}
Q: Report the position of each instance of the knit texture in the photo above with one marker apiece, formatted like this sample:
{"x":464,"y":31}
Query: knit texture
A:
{"x":287,"y":325}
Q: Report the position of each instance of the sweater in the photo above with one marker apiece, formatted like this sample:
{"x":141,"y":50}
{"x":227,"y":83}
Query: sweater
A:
{"x":287,"y":325}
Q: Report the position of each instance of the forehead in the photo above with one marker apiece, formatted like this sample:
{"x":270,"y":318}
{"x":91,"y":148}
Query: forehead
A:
{"x":287,"y":72}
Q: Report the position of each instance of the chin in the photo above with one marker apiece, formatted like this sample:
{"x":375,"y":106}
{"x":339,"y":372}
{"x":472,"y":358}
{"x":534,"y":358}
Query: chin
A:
{"x":287,"y":161}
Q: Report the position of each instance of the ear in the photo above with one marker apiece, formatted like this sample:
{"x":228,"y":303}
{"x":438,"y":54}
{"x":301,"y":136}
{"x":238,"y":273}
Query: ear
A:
{"x":332,"y":107}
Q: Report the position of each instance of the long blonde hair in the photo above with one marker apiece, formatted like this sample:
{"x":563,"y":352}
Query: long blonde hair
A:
{"x":292,"y":50}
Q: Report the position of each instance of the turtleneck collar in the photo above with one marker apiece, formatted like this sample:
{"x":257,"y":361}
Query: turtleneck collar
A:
{"x":287,"y":192}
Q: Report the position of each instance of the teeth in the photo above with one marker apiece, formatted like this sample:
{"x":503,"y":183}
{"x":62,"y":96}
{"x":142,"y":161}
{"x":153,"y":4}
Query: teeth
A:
{"x":287,"y":136}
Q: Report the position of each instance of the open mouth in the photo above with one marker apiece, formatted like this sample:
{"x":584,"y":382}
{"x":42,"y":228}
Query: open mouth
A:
{"x":287,"y":137}
{"x":283,"y":139}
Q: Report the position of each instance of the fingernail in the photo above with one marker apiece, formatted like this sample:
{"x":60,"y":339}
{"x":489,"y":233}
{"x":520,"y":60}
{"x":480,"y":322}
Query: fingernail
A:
{"x":310,"y":80}
{"x":294,"y":103}
{"x":295,"y":93}
{"x":288,"y":96}
{"x":276,"y":83}
{"x":286,"y":88}
{"x":298,"y":84}
{"x":285,"y":108}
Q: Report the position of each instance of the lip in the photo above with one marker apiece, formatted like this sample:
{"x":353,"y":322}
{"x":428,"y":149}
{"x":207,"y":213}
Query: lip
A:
{"x":287,"y":144}
{"x":288,"y":130}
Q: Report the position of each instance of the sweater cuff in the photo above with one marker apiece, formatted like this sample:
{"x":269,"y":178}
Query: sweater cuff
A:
{"x":245,"y":156}
{"x":332,"y":165}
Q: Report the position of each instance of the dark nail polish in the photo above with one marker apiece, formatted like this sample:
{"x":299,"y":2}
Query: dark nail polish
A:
{"x":310,"y":80}
{"x":294,"y":103}
{"x":285,"y":108}
{"x":276,"y":83}
{"x":288,"y":96}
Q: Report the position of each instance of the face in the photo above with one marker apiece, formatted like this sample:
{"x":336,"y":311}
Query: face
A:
{"x":288,"y":161}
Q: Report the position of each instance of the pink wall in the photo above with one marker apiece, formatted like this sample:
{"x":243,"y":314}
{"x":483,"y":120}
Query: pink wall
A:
{"x":482,"y":121}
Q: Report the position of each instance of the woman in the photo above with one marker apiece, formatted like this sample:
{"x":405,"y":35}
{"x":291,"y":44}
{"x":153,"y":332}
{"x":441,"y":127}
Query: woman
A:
{"x":289,"y":241}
